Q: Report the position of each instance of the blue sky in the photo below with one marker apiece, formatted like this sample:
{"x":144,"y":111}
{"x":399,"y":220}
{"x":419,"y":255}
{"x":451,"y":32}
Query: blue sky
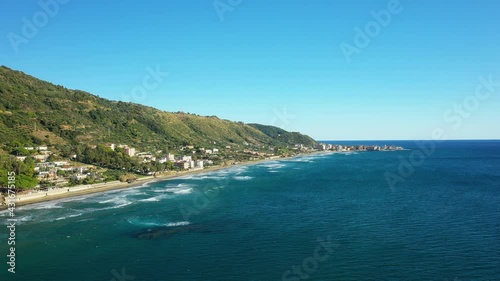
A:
{"x":275,"y":62}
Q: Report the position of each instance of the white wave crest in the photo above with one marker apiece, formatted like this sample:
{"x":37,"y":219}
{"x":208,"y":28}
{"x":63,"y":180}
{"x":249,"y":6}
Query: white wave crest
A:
{"x":180,"y":223}
{"x":180,"y":190}
{"x":138,"y":221}
{"x":242,"y":178}
{"x":154,"y":199}
{"x":237,"y":170}
{"x":205,"y":177}
{"x":272,"y":166}
{"x":115,"y":207}
{"x":41,"y":206}
{"x":69,"y":216}
{"x":153,"y":222}
{"x":116,"y":200}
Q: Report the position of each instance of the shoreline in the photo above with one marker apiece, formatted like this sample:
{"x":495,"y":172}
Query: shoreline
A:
{"x":117,"y":185}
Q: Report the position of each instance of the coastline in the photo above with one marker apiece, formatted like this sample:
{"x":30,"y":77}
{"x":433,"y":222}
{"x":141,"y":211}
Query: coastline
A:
{"x":117,"y":185}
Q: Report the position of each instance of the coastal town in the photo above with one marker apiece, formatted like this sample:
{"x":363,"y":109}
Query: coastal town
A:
{"x":56,"y":174}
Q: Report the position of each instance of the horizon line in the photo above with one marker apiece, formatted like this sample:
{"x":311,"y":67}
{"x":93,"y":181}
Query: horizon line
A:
{"x":410,"y":140}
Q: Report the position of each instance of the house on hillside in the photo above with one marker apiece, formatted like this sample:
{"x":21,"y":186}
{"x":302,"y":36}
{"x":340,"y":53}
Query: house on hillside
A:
{"x":183,"y":165}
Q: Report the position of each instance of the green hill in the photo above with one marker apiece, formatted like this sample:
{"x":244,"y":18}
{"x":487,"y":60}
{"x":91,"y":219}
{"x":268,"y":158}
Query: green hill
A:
{"x":34,"y":112}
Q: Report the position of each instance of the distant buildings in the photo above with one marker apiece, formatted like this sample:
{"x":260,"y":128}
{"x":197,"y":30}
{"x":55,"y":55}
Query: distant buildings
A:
{"x":321,"y":146}
{"x":40,"y":148}
{"x":146,"y":157}
{"x":261,"y":154}
{"x":61,"y":172}
{"x":346,"y":148}
{"x":324,"y":146}
{"x":130,"y":151}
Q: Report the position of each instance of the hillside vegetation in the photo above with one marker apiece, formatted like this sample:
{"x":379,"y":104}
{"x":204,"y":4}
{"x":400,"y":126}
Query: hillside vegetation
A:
{"x":34,"y":112}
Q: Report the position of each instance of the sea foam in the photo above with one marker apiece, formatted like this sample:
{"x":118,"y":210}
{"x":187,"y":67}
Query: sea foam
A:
{"x":180,"y":223}
{"x":242,"y":178}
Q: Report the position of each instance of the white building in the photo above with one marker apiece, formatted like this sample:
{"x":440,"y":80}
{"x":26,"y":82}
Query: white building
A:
{"x":199,"y":164}
{"x":182,"y":165}
{"x":321,"y":146}
{"x":130,"y":151}
{"x":66,"y":168}
{"x":41,"y":158}
{"x":81,"y":169}
{"x":79,"y":176}
{"x":111,"y":145}
{"x":171,"y":157}
{"x":215,"y":150}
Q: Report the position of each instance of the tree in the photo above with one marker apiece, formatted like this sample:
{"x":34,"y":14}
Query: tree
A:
{"x":20,"y":151}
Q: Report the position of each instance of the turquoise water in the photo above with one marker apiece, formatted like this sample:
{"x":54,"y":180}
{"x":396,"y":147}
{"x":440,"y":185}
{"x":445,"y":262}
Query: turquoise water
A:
{"x":320,"y":217}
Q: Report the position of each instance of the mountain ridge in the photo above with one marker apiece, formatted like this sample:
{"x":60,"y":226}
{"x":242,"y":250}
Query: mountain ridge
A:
{"x":33,"y":111}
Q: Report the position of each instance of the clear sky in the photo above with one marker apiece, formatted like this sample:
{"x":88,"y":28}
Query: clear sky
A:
{"x":280,"y":62}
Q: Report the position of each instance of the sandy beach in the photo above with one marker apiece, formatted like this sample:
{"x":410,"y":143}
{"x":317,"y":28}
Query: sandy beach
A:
{"x":80,"y":190}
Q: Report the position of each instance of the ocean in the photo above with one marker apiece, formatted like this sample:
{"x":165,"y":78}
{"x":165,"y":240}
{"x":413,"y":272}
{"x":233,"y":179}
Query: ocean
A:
{"x":425,"y":213}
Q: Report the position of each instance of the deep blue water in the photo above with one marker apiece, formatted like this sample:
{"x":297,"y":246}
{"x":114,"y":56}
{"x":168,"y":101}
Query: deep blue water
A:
{"x":320,"y":217}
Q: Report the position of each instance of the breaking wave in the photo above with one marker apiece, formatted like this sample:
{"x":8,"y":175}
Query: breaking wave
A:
{"x":152,"y":222}
{"x":180,"y":223}
{"x":154,"y":199}
{"x":69,"y":216}
{"x":204,"y":177}
{"x":176,"y":189}
{"x":242,"y":178}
